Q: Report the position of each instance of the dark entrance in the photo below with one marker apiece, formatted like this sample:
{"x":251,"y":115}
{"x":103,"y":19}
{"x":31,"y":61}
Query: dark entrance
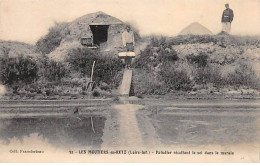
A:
{"x":99,"y":33}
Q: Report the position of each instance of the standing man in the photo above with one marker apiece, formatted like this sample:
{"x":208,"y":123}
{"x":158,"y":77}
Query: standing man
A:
{"x":128,"y":44}
{"x":227,"y":18}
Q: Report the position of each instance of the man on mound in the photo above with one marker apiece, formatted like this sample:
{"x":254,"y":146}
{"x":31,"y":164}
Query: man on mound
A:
{"x":128,"y":44}
{"x":227,"y":18}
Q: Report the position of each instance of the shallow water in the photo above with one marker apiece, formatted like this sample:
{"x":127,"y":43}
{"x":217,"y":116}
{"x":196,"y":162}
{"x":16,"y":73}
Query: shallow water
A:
{"x":67,"y":131}
{"x":136,"y":125}
{"x":173,"y":129}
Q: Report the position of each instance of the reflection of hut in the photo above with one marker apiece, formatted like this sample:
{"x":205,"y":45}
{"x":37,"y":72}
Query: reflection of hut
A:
{"x":98,"y":29}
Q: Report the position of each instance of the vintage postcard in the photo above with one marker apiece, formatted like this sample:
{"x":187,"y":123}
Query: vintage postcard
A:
{"x":129,"y":81}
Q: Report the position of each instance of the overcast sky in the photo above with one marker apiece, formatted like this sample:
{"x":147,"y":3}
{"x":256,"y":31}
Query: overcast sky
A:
{"x":28,"y":20}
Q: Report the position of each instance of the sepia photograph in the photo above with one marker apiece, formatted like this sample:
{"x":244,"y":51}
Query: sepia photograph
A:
{"x":129,"y":81}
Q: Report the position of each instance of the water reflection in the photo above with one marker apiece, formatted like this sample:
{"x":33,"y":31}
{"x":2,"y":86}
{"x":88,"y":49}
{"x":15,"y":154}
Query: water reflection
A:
{"x":68,"y":132}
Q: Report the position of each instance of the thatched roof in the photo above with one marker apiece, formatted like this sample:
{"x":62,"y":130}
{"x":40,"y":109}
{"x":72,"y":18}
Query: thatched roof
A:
{"x":97,"y":18}
{"x":80,"y":27}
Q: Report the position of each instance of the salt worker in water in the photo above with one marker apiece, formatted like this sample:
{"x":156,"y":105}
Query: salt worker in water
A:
{"x":128,"y":44}
{"x":227,"y":18}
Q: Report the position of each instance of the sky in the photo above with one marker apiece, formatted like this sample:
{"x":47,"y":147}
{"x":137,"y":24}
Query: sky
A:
{"x":29,"y":20}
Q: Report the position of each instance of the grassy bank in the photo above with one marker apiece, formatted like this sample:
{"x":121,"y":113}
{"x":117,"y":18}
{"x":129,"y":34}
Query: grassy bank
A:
{"x":40,"y":77}
{"x":190,"y":66}
{"x":199,"y":65}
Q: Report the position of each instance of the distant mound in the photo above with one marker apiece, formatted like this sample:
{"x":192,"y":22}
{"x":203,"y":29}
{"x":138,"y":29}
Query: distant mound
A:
{"x":195,"y":29}
{"x":13,"y":49}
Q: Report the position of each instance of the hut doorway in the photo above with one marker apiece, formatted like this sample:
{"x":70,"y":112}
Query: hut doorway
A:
{"x":99,"y":33}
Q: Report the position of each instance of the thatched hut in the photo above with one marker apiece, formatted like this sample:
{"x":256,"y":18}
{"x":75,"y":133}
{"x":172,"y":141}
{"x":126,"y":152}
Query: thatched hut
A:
{"x":95,"y":30}
{"x":98,"y":29}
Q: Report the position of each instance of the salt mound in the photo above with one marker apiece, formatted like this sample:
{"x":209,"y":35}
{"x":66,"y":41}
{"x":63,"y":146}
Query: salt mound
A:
{"x":195,"y":29}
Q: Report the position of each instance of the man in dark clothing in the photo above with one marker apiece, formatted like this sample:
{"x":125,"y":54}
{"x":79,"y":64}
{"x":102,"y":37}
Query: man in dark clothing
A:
{"x":227,"y":18}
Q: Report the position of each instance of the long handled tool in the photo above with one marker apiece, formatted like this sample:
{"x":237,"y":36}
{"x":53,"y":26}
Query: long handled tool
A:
{"x":92,"y":84}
